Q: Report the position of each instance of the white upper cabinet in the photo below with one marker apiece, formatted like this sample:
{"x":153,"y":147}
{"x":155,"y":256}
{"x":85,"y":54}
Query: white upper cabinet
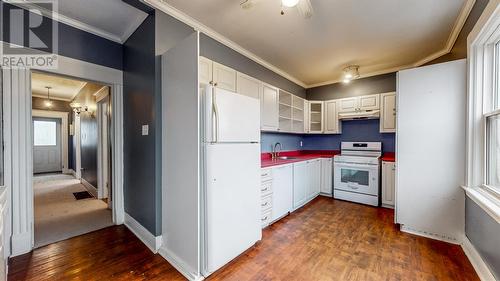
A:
{"x":347,"y":104}
{"x":248,"y":86}
{"x":316,"y":117}
{"x":224,"y":77}
{"x":298,"y":114}
{"x":370,"y":102}
{"x":269,"y":109}
{"x":388,"y":113}
{"x":331,"y":118}
{"x":205,"y":70}
{"x":306,"y":117}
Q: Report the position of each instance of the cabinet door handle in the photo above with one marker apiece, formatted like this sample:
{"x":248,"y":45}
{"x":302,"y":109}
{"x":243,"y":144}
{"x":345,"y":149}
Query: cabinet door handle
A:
{"x":263,"y":205}
{"x":264,"y":219}
{"x":265,"y":189}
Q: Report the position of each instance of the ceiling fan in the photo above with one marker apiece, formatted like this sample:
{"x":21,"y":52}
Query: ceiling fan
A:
{"x":303,"y":6}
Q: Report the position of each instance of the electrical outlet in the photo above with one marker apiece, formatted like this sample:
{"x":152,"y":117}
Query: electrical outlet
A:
{"x":301,"y":144}
{"x":145,"y":130}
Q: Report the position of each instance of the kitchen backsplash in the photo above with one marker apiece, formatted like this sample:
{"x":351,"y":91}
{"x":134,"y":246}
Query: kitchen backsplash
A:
{"x":356,"y":130}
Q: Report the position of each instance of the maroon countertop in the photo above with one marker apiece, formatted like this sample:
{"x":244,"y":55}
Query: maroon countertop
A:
{"x":389,"y":157}
{"x":300,"y":155}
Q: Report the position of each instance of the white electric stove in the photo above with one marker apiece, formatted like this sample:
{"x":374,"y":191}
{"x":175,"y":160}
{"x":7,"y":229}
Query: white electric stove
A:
{"x":356,"y":172}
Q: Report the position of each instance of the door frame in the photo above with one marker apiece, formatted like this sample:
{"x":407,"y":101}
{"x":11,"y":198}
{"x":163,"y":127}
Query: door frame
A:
{"x":64,"y":132}
{"x":103,"y":141}
{"x":18,"y":147}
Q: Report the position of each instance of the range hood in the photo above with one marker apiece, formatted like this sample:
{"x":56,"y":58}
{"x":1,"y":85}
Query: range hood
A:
{"x":360,"y":115}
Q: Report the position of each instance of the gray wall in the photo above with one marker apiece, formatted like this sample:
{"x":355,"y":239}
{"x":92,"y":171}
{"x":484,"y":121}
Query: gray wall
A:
{"x":218,"y":52}
{"x":484,"y":233}
{"x":88,"y":132}
{"x":139,"y":107}
{"x":364,"y":86}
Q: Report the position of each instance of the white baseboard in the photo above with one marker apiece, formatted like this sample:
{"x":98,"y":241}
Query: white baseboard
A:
{"x":21,"y":244}
{"x":151,"y":241}
{"x":435,"y":236}
{"x":71,"y":172}
{"x":482,"y":270}
{"x":179,"y":265}
{"x":90,"y":188}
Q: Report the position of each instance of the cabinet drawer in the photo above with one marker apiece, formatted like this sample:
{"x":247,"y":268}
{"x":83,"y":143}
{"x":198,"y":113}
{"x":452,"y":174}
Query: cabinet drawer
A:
{"x":266,"y":218}
{"x":266,"y":174}
{"x":266,"y":203}
{"x":266,"y":188}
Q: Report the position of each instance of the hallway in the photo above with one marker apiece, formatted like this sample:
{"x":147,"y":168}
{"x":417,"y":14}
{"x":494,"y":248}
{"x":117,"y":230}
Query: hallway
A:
{"x":59,"y":216}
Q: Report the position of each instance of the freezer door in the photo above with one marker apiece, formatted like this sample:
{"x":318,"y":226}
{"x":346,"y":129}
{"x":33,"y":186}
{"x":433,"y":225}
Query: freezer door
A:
{"x":232,"y":209}
{"x":235,"y":117}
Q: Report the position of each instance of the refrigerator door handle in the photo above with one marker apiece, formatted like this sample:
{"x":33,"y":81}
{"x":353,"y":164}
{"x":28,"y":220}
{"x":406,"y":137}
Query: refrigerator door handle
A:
{"x":215,"y":110}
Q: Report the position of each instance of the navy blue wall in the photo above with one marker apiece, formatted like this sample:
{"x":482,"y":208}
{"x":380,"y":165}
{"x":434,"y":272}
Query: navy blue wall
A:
{"x":139,"y":100}
{"x":357,"y":130}
{"x":72,"y":42}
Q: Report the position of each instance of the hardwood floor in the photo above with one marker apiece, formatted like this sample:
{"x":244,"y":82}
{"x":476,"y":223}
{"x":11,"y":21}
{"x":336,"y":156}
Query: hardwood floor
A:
{"x":326,"y":240}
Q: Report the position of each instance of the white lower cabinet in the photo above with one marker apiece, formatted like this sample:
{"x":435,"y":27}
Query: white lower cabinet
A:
{"x":314,"y":184}
{"x":388,"y":184}
{"x":300,"y":182}
{"x":327,"y":176}
{"x":282,"y":191}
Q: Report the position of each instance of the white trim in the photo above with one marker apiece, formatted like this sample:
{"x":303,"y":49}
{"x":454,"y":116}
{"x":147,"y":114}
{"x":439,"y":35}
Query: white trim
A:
{"x":489,"y":203}
{"x":90,"y":188}
{"x":179,"y":265}
{"x":18,"y":160}
{"x":64,"y":132}
{"x":455,"y":32}
{"x":101,"y":94}
{"x":181,"y":16}
{"x":132,"y":28}
{"x":423,"y":233}
{"x":78,"y":146}
{"x":151,"y":241}
{"x":482,"y":270}
{"x":198,"y":26}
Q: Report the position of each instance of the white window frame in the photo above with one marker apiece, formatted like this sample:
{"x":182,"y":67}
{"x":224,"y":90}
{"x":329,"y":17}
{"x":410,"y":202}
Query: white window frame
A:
{"x":482,"y":42}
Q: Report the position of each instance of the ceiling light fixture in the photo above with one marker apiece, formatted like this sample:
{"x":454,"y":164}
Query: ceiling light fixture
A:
{"x":289,"y":3}
{"x":350,"y":73}
{"x":48,"y":102}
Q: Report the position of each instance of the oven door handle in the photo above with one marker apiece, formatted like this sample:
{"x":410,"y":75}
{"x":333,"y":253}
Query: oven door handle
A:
{"x":361,"y":166}
{"x":352,"y":186}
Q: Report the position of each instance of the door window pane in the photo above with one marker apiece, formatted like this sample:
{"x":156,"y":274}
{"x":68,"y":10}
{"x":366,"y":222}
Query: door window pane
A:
{"x":355,"y":176}
{"x":45,"y":133}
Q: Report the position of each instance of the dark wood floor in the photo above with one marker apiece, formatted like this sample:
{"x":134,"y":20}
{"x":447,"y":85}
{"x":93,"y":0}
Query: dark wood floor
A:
{"x":326,"y":240}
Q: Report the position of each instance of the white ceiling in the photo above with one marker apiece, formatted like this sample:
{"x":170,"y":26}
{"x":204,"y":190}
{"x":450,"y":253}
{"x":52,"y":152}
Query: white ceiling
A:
{"x":380,"y":36}
{"x":111,"y":19}
{"x":62,"y":88}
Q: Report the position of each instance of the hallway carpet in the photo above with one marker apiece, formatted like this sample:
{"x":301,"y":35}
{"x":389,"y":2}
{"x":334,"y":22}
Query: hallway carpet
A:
{"x":59,"y":216}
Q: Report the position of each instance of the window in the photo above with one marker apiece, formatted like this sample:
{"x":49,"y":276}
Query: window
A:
{"x":45,"y":133}
{"x":492,"y":121}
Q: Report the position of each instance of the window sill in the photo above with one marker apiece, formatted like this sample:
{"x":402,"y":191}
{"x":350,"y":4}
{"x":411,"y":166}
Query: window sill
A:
{"x":487,"y":201}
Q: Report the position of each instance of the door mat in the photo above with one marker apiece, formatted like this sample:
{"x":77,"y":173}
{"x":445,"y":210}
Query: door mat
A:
{"x":82,"y":195}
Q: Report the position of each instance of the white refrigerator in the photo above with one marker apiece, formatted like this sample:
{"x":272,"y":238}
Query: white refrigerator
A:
{"x":231,"y":166}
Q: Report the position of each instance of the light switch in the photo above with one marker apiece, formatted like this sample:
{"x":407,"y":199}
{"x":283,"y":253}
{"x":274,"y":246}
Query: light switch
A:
{"x":145,"y":130}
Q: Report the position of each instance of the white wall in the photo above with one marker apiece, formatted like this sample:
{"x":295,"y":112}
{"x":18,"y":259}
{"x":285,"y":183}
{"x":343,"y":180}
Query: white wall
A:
{"x":430,"y":150}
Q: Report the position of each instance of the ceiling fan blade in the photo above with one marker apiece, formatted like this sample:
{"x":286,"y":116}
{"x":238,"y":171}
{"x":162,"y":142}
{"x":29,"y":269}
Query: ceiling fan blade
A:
{"x":305,"y":8}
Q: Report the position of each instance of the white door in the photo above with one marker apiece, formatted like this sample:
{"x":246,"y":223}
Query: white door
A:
{"x":300,"y":181}
{"x":269,"y":108}
{"x":233,"y":117}
{"x":326,"y":176}
{"x":371,"y":102}
{"x":331,"y":117}
{"x":232,"y":201}
{"x":282,"y":191}
{"x":388,"y":113}
{"x":248,"y":86}
{"x":47,"y":148}
{"x":348,"y":104}
{"x":224,"y":77}
{"x":205,"y":71}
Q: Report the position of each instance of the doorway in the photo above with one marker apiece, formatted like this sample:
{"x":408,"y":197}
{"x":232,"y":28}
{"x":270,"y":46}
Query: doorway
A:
{"x":70,"y":184}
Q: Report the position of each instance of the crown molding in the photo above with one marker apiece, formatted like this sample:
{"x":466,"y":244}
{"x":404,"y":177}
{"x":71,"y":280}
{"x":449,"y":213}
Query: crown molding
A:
{"x":455,"y":32}
{"x":198,"y":26}
{"x":132,"y":28}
